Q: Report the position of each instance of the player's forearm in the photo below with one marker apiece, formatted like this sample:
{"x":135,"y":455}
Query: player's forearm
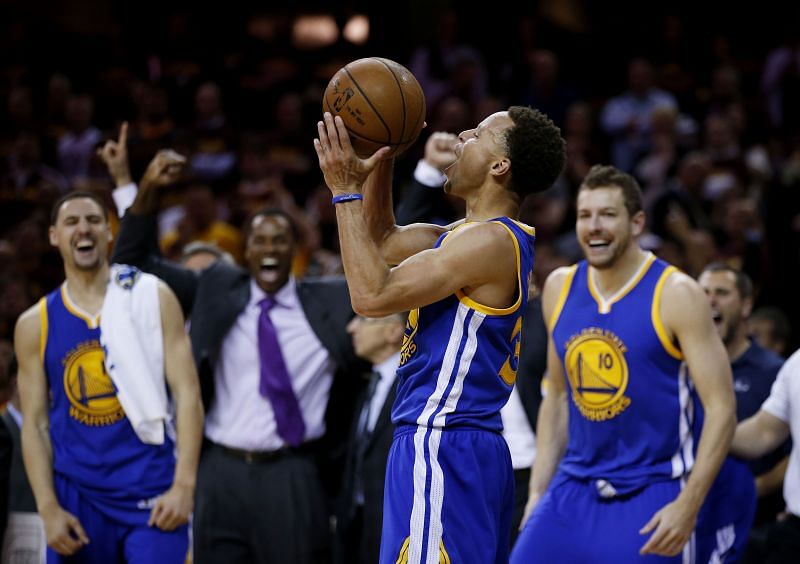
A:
{"x":189,"y":421}
{"x":753,"y":438}
{"x":364,"y":265}
{"x":378,"y":207}
{"x":551,"y":441}
{"x":37,"y":454}
{"x":715,"y":441}
{"x":146,"y":201}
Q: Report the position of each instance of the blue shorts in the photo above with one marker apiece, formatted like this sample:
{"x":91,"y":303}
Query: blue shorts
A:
{"x":449,"y":497}
{"x":572,"y":523}
{"x":724,"y":522}
{"x":112,"y":541}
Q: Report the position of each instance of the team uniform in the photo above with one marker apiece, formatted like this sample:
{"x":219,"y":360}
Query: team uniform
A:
{"x":449,"y":484}
{"x":633,"y":428}
{"x":102,"y":472}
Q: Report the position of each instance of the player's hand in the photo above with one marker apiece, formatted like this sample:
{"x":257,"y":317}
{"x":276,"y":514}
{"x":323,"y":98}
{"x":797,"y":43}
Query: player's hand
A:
{"x":343,"y":170}
{"x":172,"y":508}
{"x":533,"y":501}
{"x":64,"y":532}
{"x":115,"y":155}
{"x":163,"y":170}
{"x":673,"y":526}
{"x":439,"y":150}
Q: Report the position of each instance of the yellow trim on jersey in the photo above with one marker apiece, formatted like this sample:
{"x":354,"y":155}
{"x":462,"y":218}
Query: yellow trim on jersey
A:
{"x":562,"y":297}
{"x":525,"y":227}
{"x":655,"y":314}
{"x":43,"y":323}
{"x":603,"y":305}
{"x":402,"y":557}
{"x":93,"y":321}
{"x":469,"y":302}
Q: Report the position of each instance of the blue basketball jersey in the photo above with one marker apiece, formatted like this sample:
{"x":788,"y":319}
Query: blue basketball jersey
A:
{"x":632,"y":404}
{"x":459,"y":358}
{"x":94,"y":445}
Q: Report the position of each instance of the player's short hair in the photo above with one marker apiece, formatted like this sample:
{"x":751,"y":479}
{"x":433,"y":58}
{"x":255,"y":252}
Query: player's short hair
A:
{"x":74,"y":196}
{"x":275,"y":212}
{"x":744,"y":285}
{"x":536,"y":150}
{"x":607,"y":176}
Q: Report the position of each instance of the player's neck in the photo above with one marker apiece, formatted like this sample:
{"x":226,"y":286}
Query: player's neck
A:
{"x":87,"y":288}
{"x":610,"y":280}
{"x":490,"y":202}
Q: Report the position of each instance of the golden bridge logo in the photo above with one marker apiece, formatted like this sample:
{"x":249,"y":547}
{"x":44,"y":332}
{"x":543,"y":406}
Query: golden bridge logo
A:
{"x":92,"y":395}
{"x":597,"y":373}
{"x":409,"y":348}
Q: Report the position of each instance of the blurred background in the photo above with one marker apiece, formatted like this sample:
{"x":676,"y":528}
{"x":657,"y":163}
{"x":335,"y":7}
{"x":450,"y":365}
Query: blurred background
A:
{"x":700,"y":101}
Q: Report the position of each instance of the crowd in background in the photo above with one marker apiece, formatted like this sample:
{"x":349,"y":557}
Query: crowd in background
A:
{"x":707,"y":122}
{"x":710,"y":129}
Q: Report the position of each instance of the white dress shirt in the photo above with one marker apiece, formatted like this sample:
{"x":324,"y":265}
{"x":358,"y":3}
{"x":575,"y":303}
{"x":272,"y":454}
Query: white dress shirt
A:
{"x":784,"y":403}
{"x":240,"y":417}
{"x":518,"y":433}
{"x":388,"y":370}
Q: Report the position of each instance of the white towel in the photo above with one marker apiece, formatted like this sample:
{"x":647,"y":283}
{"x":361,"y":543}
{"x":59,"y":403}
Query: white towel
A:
{"x":132,"y":340}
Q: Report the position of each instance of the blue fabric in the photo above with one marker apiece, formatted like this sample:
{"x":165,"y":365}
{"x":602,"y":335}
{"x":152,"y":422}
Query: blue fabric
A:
{"x":630,"y":401}
{"x":476,"y":498}
{"x":459,"y":359}
{"x":572,"y":524}
{"x":94,"y":444}
{"x":111,"y":541}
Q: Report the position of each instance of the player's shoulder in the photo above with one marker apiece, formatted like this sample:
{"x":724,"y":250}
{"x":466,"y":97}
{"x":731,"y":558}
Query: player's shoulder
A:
{"x":482,"y":236}
{"x":679,"y":285}
{"x":556,"y":279}
{"x":29,"y":324}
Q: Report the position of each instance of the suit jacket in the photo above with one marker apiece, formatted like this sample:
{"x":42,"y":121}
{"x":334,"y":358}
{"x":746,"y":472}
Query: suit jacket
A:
{"x":373,"y":477}
{"x":532,"y":360}
{"x":20,"y":496}
{"x":213,"y":300}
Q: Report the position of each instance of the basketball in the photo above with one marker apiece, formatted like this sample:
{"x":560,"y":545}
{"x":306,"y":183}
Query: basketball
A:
{"x":381,"y":103}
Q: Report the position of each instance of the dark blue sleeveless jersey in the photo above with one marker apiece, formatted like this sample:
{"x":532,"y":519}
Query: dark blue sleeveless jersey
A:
{"x":459,"y":358}
{"x":631,"y":401}
{"x":94,"y":445}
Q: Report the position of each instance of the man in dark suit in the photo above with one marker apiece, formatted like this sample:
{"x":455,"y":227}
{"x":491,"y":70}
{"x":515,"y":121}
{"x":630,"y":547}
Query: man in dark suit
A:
{"x":359,"y":514}
{"x":266,"y":347}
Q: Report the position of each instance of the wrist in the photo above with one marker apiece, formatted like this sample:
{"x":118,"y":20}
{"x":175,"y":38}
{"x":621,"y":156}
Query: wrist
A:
{"x":343,"y":197}
{"x":123,"y":180}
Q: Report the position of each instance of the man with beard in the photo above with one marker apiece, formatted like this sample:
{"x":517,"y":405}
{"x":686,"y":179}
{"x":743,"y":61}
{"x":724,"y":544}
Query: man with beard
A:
{"x":618,"y":476}
{"x":730,"y":293}
{"x":100,"y":460}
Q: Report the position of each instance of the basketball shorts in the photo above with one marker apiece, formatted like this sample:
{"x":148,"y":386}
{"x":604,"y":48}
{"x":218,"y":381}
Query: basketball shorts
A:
{"x":449,"y":497}
{"x":113,"y":541}
{"x":573,"y":523}
{"x":724,"y":522}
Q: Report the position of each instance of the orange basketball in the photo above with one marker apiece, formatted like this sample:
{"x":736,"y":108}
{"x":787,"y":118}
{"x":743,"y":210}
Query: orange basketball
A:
{"x":381,"y":103}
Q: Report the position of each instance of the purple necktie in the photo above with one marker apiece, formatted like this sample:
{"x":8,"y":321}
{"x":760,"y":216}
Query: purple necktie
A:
{"x":275,"y":383}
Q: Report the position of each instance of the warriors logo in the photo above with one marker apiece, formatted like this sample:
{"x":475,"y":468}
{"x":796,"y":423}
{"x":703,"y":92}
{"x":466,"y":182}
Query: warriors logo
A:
{"x":597,"y":373}
{"x":92,"y":395}
{"x":409,"y":348}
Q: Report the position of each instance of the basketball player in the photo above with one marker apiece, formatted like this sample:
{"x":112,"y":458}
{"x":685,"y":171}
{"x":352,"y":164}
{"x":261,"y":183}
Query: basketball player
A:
{"x":449,"y":483}
{"x":632,"y":340}
{"x":104,"y":495}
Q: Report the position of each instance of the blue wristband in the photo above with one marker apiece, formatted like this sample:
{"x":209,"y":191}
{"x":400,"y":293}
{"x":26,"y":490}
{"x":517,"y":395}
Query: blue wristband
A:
{"x":347,"y":198}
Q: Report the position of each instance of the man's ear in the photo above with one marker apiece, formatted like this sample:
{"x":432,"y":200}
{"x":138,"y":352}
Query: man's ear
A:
{"x":51,"y":234}
{"x":501,"y":166}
